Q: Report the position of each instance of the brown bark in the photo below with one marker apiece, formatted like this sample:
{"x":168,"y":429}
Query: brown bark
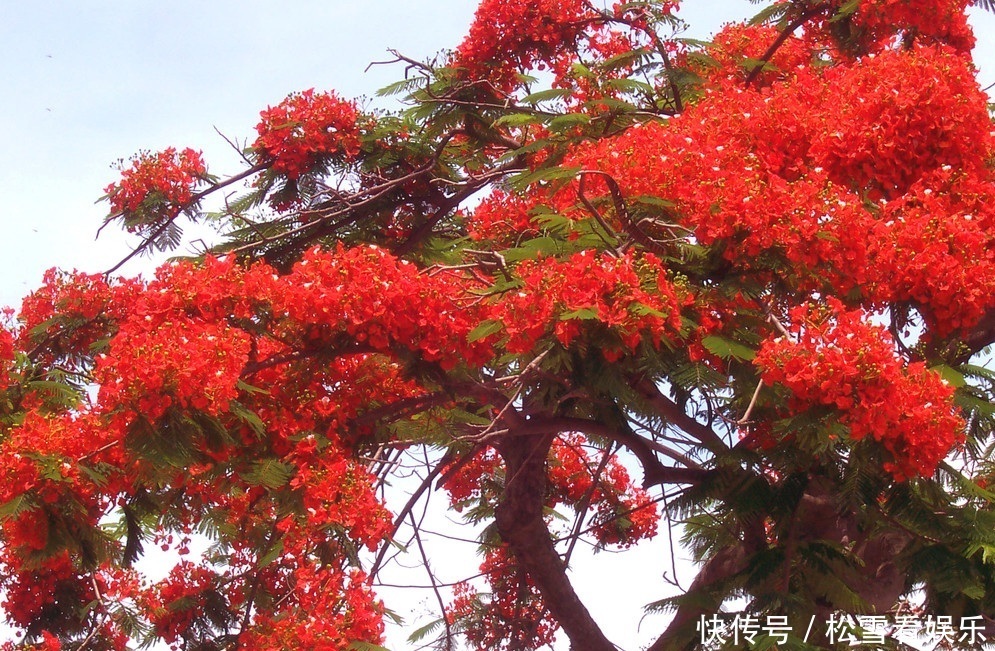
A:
{"x":976,"y":339}
{"x":521,"y":525}
{"x":681,"y":634}
{"x":875,"y":577}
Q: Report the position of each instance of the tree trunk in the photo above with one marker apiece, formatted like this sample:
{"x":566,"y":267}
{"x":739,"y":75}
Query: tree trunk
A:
{"x":521,"y":525}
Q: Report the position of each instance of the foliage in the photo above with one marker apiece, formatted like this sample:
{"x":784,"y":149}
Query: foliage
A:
{"x":759,"y":270}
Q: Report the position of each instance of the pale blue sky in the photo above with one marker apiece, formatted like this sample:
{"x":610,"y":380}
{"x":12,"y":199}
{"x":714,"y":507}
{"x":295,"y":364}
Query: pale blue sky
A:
{"x":87,"y":82}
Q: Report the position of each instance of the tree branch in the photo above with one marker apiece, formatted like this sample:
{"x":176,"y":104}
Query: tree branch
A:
{"x":676,"y":416}
{"x":519,"y":521}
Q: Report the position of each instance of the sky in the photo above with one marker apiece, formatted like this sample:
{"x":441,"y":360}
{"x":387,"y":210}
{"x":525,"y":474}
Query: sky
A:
{"x":89,"y":82}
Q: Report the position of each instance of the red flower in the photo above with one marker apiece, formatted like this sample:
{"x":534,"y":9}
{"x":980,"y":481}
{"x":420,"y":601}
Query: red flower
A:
{"x":842,"y":363}
{"x":157,"y":187}
{"x":306,"y":130}
{"x":509,"y":36}
{"x":632,"y":297}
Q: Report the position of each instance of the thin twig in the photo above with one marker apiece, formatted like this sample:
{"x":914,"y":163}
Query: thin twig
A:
{"x":403,"y":513}
{"x":778,"y":42}
{"x":585,"y":504}
{"x":753,"y":401}
{"x":431,"y":578}
{"x":150,"y":239}
{"x":521,"y":385}
{"x":103,"y":448}
{"x":597,"y":215}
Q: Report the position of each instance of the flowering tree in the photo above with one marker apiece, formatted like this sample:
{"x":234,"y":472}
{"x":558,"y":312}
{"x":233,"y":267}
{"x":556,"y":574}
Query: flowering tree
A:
{"x":599,"y":275}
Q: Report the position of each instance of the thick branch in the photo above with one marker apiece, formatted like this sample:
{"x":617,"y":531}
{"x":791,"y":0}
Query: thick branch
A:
{"x":520,"y":523}
{"x":677,"y":417}
{"x":976,"y":339}
{"x":680,"y":634}
{"x":654,"y":472}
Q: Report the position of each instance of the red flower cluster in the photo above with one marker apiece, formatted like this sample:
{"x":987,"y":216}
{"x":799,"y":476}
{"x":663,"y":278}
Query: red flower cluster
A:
{"x":336,"y":493}
{"x":474,"y":481}
{"x":877,"y":24}
{"x":174,"y":354}
{"x":231,"y":397}
{"x":63,"y":299}
{"x":939,"y":250}
{"x":186,"y":363}
{"x":512,"y":616}
{"x":840,"y":362}
{"x":334,"y":610}
{"x":624,"y":513}
{"x":49,"y":592}
{"x":56,"y":440}
{"x":381,"y":302}
{"x":501,"y":217}
{"x":6,"y":357}
{"x":176,"y":603}
{"x":777,"y":178}
{"x":883,"y":124}
{"x":48,"y":642}
{"x":307,"y":130}
{"x":511,"y":36}
{"x":737,"y":48}
{"x":631,"y":298}
{"x":157,"y":187}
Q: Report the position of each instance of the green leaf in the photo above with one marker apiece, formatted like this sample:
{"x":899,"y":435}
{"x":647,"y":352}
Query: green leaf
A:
{"x":100,"y":345}
{"x":270,"y":473}
{"x":953,"y":377}
{"x":271,"y":555}
{"x":42,"y":328}
{"x":726,"y":348}
{"x":65,"y":394}
{"x":847,"y":9}
{"x":987,"y":551}
{"x":366,"y":646}
{"x":770,"y":13}
{"x":580,"y":70}
{"x":584,"y":314}
{"x":15,"y":507}
{"x":623,"y":59}
{"x":555,"y":222}
{"x":98,"y":478}
{"x":554,"y":174}
{"x":485,"y":328}
{"x":426,"y":630}
{"x":564,"y":122}
{"x":631,"y":86}
{"x":546,"y":95}
{"x":531,"y":249}
{"x":399,"y":87}
{"x":248,"y":416}
{"x":978,"y":371}
{"x":612,"y":104}
{"x":248,"y":388}
{"x":974,"y":591}
{"x":967,"y":484}
{"x":516,"y":120}
{"x":651,"y":200}
{"x":641,"y":309}
{"x":693,"y":42}
{"x":548,"y":174}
